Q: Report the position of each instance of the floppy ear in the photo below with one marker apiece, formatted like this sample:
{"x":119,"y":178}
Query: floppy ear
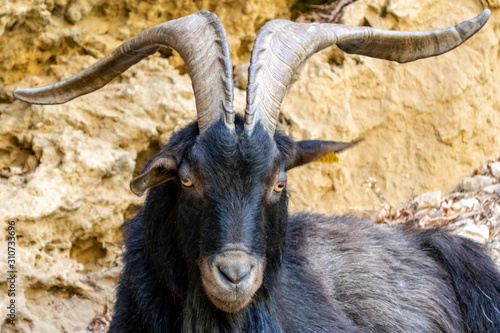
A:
{"x":158,"y":170}
{"x":312,"y":150}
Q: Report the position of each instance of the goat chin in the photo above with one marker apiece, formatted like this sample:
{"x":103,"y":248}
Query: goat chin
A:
{"x":226,"y":296}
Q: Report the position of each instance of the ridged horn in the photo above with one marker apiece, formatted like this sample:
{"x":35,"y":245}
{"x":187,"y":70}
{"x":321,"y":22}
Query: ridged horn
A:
{"x":199,"y":38}
{"x":282,"y":46}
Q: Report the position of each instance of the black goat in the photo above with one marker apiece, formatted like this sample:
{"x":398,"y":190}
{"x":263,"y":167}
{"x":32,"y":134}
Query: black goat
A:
{"x":213,"y":249}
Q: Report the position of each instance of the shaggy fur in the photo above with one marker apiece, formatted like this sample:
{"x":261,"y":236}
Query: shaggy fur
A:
{"x":322,"y":274}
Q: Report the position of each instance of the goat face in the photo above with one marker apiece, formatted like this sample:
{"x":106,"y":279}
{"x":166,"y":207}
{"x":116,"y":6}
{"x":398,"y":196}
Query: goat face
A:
{"x":236,"y":189}
{"x":235,"y":183}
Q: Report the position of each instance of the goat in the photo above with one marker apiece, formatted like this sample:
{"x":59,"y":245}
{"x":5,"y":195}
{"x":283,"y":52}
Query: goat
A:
{"x":213,"y":249}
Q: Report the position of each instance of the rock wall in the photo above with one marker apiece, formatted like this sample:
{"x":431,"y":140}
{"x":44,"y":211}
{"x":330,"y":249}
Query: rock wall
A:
{"x":65,"y":169}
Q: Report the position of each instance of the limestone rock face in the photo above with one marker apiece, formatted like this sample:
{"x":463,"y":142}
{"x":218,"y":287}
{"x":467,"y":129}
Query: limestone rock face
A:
{"x":64,"y":170}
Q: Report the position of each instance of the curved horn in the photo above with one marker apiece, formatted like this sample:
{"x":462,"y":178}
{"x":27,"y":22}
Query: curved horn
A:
{"x":282,"y":46}
{"x":200,"y":39}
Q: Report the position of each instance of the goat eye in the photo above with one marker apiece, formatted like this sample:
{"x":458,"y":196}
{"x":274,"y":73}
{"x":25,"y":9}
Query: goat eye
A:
{"x":279,"y":187}
{"x":186,"y":182}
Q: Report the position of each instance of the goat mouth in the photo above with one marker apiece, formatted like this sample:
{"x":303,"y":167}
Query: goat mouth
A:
{"x":231,"y":279}
{"x":229,"y":306}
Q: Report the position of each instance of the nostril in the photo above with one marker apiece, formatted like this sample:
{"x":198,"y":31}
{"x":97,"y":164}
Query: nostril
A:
{"x":236,"y":272}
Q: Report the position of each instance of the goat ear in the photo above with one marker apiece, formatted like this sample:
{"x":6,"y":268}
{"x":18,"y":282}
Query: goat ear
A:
{"x":159,"y":170}
{"x":312,"y":150}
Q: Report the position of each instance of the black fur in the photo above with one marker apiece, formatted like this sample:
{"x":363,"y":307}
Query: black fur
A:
{"x":322,"y":274}
{"x":475,"y":280}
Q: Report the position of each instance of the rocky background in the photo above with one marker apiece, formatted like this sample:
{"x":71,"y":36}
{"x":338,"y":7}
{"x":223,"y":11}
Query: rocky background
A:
{"x":64,"y":170}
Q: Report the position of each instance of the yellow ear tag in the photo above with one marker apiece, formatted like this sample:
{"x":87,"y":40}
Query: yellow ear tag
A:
{"x":329,"y":158}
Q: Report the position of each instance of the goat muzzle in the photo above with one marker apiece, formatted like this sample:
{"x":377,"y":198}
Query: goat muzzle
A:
{"x":231,"y":279}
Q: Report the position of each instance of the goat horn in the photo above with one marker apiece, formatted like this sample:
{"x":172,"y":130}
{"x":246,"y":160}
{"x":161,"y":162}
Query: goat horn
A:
{"x":282,"y":46}
{"x":200,"y":39}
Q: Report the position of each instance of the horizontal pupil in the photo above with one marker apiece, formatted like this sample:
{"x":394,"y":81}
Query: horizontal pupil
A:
{"x":279,"y":187}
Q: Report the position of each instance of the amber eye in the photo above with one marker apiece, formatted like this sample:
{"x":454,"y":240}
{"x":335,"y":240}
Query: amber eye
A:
{"x":186,"y":182}
{"x":279,"y":187}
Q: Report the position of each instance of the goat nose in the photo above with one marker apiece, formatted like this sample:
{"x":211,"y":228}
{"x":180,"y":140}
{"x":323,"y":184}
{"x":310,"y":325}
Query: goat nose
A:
{"x":235,"y":272}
